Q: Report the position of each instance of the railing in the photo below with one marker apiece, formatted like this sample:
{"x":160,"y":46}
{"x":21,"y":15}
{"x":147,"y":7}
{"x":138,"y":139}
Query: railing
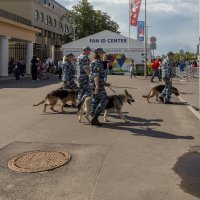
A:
{"x":14,"y":17}
{"x":187,"y":72}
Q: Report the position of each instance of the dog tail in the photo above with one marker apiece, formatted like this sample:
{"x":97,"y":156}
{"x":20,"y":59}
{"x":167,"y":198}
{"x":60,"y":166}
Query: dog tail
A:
{"x":41,"y":102}
{"x":145,"y":96}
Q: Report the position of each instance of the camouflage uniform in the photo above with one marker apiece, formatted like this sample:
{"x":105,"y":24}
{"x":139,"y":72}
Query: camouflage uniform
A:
{"x":100,"y":100}
{"x":167,"y":74}
{"x":83,"y":79}
{"x":68,"y":76}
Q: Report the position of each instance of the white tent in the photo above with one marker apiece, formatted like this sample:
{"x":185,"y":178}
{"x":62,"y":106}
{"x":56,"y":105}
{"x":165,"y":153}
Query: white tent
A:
{"x":113,"y":43}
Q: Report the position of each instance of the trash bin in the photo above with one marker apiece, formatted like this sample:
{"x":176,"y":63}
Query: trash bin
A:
{"x":139,"y":69}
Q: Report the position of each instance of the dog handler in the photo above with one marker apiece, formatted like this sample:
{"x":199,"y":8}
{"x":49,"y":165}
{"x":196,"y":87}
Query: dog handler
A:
{"x":68,"y":76}
{"x":97,"y":83}
{"x":168,"y":71}
{"x":83,"y":71}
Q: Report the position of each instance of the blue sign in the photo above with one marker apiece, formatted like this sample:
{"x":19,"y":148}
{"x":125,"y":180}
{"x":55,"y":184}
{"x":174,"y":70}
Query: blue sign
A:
{"x":140,"y":31}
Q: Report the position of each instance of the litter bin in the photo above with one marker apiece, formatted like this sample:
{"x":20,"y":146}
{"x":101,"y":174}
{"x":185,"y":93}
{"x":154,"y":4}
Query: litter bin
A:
{"x":139,"y":69}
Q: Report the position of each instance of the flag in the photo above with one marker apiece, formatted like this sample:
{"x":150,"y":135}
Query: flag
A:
{"x":134,"y":11}
{"x":140,"y":31}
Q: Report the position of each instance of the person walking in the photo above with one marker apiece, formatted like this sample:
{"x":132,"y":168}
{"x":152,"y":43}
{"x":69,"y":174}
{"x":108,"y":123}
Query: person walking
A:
{"x":60,"y":67}
{"x":97,"y":83}
{"x":132,"y":69}
{"x":155,"y":66}
{"x":105,"y":63}
{"x":17,"y":70}
{"x":68,"y":75}
{"x":168,"y":71}
{"x":34,"y":66}
{"x":83,"y":72}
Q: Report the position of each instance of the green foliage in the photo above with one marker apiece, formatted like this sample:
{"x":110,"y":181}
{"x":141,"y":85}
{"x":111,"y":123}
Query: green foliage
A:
{"x":67,"y":38}
{"x":187,"y":56}
{"x":89,"y":21}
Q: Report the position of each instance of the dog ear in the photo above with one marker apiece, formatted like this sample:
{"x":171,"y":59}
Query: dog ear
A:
{"x":126,"y":92}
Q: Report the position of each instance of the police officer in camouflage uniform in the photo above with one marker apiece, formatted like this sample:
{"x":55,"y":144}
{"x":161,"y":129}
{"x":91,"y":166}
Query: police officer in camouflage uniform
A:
{"x":83,"y":71}
{"x":68,"y":74}
{"x":168,"y":69}
{"x":97,"y":83}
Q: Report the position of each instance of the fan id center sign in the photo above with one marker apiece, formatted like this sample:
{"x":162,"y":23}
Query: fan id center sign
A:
{"x":109,"y":41}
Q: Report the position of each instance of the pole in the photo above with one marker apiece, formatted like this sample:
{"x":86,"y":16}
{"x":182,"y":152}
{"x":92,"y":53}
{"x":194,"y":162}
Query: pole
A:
{"x":199,"y":54}
{"x":145,"y":39}
{"x":129,"y":28}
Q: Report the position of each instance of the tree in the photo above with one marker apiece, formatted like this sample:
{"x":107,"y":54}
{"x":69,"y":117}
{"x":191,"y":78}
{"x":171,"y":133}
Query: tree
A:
{"x":89,"y":21}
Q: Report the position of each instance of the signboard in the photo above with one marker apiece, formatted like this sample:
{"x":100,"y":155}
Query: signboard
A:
{"x":181,"y":52}
{"x":153,"y":39}
{"x":153,"y":46}
{"x":140,"y":31}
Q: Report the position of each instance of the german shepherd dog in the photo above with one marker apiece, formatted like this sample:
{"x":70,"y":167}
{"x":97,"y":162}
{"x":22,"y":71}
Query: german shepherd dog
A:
{"x":63,"y":94}
{"x":115,"y":103}
{"x":157,"y":90}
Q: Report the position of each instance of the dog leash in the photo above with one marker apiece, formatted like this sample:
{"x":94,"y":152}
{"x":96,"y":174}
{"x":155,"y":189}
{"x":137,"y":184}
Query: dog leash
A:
{"x":111,"y":89}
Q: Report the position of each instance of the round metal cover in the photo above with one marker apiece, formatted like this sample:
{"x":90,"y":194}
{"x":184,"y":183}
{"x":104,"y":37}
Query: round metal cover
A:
{"x":38,"y":161}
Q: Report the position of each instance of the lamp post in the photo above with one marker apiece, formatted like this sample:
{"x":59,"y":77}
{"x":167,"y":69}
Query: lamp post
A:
{"x":145,"y":40}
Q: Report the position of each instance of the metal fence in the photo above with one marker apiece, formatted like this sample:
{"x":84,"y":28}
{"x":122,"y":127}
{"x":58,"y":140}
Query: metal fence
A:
{"x":187,"y":72}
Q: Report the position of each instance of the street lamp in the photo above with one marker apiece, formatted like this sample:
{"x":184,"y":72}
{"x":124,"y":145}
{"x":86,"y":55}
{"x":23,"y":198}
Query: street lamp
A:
{"x":145,"y":39}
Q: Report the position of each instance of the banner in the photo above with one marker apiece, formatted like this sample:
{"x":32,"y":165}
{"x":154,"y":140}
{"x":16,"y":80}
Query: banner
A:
{"x":135,"y":9}
{"x":140,"y":31}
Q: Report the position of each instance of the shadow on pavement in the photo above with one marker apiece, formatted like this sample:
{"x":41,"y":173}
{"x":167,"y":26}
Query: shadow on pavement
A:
{"x":27,"y":82}
{"x":145,"y":130}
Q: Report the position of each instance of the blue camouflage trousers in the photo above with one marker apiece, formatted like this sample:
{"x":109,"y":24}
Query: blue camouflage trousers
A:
{"x":71,"y":85}
{"x":84,"y":91}
{"x":167,"y":92}
{"x":99,"y":103}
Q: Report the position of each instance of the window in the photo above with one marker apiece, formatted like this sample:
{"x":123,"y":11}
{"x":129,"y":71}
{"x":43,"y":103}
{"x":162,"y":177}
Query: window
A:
{"x":54,"y":22}
{"x":41,"y":17}
{"x":46,"y":19}
{"x":67,"y":29}
{"x":49,"y":21}
{"x":36,"y":14}
{"x":60,"y":26}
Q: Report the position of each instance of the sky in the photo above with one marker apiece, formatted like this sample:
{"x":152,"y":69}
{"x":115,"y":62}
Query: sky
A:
{"x":173,"y":22}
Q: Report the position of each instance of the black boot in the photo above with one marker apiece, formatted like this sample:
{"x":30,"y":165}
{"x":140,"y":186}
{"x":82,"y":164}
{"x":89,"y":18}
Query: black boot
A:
{"x":95,"y":121}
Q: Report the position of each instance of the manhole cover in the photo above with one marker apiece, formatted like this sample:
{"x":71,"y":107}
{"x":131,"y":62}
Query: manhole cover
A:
{"x":38,"y":161}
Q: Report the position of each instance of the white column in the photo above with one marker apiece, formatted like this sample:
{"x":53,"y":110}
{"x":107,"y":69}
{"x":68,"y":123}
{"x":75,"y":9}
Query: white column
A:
{"x":52,"y":52}
{"x":4,"y":55}
{"x":29,"y":56}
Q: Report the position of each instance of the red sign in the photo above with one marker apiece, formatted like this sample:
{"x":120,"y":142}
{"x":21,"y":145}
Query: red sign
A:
{"x":153,"y":39}
{"x":135,"y":9}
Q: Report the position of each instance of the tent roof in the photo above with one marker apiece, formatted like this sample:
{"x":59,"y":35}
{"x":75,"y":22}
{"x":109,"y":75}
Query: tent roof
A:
{"x":105,"y":39}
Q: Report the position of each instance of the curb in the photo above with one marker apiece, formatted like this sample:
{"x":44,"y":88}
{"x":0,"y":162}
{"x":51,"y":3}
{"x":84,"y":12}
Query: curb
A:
{"x":197,"y":114}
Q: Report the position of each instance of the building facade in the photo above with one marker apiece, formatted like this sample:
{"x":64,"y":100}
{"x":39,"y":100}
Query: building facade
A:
{"x":50,"y":17}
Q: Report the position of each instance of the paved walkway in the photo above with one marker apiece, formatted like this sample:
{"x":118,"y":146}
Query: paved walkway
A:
{"x":131,"y":161}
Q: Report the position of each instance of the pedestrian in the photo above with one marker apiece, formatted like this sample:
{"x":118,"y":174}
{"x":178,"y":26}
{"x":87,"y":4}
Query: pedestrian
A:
{"x":34,"y":68}
{"x":155,"y":66}
{"x":168,"y":71}
{"x":194,"y":68}
{"x":83,"y":72}
{"x":68,"y":75}
{"x":97,"y":83}
{"x":132,"y":69}
{"x":17,"y":70}
{"x":60,"y":67}
{"x":105,"y":63}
